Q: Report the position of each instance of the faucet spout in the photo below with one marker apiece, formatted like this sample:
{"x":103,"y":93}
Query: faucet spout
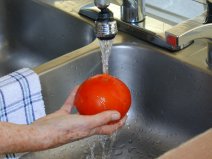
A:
{"x":132,"y":11}
{"x":106,"y":26}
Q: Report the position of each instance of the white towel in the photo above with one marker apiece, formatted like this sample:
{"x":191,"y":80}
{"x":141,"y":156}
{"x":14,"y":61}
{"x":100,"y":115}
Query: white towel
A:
{"x":21,"y":100}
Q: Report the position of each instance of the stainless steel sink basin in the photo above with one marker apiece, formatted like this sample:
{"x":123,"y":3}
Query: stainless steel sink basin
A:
{"x":32,"y":33}
{"x":171,"y":103}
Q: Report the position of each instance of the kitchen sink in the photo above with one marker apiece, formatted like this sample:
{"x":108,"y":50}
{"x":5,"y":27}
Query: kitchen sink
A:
{"x":171,"y":103}
{"x":33,"y":33}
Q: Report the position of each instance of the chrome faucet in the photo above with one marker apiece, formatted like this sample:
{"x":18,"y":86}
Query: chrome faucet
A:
{"x":200,"y":27}
{"x":132,"y":11}
{"x":130,"y":17}
{"x":106,"y":26}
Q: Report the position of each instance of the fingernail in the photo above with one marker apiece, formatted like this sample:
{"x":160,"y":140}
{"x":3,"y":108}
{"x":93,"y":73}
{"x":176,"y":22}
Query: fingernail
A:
{"x":116,"y":116}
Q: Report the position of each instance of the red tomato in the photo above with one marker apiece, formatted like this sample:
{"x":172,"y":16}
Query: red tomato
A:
{"x":100,"y":93}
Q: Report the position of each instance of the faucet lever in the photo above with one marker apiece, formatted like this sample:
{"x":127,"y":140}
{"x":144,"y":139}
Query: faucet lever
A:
{"x":185,"y":33}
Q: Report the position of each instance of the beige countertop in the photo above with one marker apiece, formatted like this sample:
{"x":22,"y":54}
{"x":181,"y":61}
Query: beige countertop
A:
{"x":70,"y":5}
{"x":199,"y":147}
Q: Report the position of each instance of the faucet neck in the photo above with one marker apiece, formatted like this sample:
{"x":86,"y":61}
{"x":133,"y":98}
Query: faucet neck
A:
{"x":133,"y":11}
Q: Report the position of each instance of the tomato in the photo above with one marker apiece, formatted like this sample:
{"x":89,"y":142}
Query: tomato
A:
{"x":100,"y":93}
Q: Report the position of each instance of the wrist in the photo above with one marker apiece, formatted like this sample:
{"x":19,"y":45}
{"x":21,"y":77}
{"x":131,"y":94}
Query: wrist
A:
{"x":40,"y":137}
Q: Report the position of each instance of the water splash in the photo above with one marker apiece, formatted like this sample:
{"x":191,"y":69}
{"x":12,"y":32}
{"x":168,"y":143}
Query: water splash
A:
{"x":107,"y":143}
{"x":105,"y":47}
{"x":92,"y":148}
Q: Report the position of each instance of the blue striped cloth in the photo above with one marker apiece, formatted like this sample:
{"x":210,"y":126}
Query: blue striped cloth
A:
{"x":21,"y":100}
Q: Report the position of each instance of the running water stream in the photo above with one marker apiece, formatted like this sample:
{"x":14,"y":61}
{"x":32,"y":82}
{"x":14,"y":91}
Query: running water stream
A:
{"x":105,"y":47}
{"x":106,"y":143}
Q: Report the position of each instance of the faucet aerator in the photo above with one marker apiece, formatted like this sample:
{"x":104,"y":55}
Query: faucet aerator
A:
{"x":106,"y":26}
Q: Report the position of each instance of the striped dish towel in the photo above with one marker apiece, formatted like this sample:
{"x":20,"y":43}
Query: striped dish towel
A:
{"x":21,"y":100}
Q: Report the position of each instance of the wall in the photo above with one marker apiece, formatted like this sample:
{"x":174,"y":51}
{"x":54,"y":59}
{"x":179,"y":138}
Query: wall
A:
{"x":183,"y":9}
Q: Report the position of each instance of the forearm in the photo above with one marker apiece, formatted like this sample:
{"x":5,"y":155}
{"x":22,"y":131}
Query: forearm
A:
{"x":54,"y":130}
{"x":19,"y":138}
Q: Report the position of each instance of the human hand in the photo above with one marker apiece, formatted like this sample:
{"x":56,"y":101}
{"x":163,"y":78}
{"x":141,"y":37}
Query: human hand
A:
{"x":62,"y":127}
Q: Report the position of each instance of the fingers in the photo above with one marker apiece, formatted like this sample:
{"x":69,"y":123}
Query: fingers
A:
{"x":68,"y":105}
{"x":109,"y":129}
{"x":102,"y":119}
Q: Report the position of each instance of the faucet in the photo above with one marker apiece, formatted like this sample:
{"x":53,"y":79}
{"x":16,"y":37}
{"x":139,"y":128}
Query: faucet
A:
{"x":130,"y":18}
{"x":132,"y":11}
{"x":106,"y":26}
{"x":185,"y":33}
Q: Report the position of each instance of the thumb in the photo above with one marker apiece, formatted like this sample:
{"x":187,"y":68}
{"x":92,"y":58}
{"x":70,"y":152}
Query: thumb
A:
{"x":70,"y":100}
{"x":103,"y":118}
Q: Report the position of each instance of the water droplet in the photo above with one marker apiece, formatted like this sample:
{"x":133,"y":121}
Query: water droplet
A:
{"x":82,"y":146}
{"x":130,"y":141}
{"x":131,"y":149}
{"x":139,"y":152}
{"x":157,"y":142}
{"x":121,"y":146}
{"x":118,"y":152}
{"x":92,"y":147}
